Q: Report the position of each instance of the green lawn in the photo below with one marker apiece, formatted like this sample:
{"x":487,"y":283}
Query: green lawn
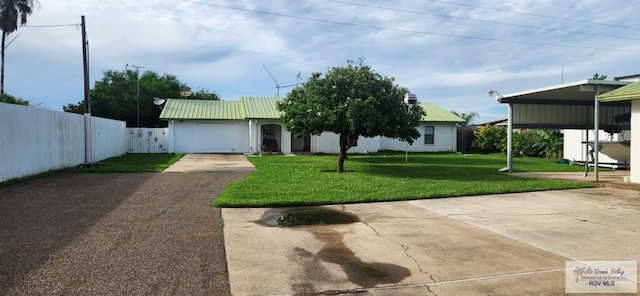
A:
{"x":311,"y":180}
{"x":128,"y":163}
{"x":131,"y":163}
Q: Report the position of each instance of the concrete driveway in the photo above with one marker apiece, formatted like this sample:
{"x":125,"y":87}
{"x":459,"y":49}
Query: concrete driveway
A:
{"x":211,"y":163}
{"x":509,"y":244}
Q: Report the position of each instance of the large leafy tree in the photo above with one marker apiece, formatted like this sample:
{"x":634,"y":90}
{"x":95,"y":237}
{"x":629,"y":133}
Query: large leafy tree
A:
{"x":12,"y":13}
{"x":115,"y":96}
{"x":350,"y":101}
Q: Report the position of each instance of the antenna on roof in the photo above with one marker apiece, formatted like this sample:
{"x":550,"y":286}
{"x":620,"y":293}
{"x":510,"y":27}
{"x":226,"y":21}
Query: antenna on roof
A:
{"x":278,"y":86}
{"x":185,"y":93}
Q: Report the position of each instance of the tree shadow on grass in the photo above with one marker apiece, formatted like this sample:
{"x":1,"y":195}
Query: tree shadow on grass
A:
{"x":436,"y":166}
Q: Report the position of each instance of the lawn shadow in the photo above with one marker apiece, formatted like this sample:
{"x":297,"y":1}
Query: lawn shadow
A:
{"x":436,"y":166}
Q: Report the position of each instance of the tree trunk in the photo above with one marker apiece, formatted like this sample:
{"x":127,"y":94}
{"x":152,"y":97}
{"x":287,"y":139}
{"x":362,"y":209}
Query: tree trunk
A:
{"x":344,"y":138}
{"x":4,"y":36}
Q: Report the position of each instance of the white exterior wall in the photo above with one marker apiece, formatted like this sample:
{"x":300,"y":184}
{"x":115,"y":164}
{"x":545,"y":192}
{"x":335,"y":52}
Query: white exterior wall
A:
{"x":330,"y":143}
{"x":240,"y":136}
{"x":221,"y":136}
{"x":576,"y":151}
{"x":635,"y":141}
{"x":445,"y":139}
{"x":35,"y":140}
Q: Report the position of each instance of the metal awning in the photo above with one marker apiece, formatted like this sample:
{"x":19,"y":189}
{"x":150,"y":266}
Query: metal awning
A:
{"x":566,"y":106}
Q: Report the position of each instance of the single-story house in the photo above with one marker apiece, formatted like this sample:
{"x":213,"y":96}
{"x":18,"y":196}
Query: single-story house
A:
{"x":252,"y":125}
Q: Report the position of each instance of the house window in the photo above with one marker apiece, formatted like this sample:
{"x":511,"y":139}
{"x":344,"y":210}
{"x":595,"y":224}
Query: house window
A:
{"x":429,"y":135}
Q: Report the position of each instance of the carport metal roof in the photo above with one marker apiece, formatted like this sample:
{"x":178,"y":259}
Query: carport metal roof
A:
{"x":566,"y":106}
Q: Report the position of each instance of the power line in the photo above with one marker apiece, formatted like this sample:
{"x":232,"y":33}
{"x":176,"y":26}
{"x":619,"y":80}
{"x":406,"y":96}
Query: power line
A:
{"x":50,"y":26}
{"x":476,"y":20}
{"x":536,"y":15}
{"x":406,"y":30}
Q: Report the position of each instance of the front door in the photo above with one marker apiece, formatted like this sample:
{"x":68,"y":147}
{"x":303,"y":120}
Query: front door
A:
{"x":271,"y":138}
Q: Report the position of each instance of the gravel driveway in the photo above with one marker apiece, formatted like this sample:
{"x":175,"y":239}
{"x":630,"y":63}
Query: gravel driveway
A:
{"x":116,"y":234}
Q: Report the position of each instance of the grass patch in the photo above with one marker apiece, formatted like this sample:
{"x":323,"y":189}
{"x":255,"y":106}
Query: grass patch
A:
{"x":128,"y":163}
{"x":131,"y":163}
{"x":305,"y":180}
{"x":15,"y":181}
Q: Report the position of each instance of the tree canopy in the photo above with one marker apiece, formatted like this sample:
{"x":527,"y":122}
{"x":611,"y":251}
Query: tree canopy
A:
{"x":350,"y":101}
{"x":599,"y":77}
{"x":9,"y":99}
{"x":115,"y":96}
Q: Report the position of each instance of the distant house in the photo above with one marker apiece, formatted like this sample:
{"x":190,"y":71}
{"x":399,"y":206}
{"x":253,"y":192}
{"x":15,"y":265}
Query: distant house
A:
{"x":252,"y":125}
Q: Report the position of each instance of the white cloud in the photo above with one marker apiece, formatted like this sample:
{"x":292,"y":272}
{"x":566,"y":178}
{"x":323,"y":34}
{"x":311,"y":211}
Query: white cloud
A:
{"x":220,"y":49}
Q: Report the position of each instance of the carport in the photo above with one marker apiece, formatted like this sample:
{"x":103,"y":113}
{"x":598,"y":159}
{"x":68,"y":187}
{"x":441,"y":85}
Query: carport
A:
{"x":566,"y":106}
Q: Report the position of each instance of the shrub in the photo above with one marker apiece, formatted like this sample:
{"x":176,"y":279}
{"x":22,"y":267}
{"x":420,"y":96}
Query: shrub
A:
{"x":549,"y":143}
{"x":524,"y":144}
{"x":490,"y":139}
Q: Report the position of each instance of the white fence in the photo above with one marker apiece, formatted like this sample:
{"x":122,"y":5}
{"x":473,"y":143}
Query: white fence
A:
{"x":35,"y":140}
{"x":147,"y":140}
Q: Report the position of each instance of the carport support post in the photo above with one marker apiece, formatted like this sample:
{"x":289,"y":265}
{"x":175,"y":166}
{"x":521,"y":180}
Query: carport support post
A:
{"x":509,"y":138}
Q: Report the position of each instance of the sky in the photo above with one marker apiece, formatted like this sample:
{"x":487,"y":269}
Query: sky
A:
{"x":448,"y":52}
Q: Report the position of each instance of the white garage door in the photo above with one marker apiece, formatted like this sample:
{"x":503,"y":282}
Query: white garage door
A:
{"x":210,"y":137}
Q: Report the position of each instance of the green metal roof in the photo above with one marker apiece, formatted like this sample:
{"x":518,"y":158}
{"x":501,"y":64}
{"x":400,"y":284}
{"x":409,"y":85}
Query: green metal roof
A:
{"x":260,"y":108}
{"x":202,"y":110}
{"x":625,"y":93}
{"x":436,"y":113}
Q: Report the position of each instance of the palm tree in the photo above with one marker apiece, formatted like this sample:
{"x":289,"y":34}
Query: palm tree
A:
{"x":467,"y":117}
{"x":12,"y":12}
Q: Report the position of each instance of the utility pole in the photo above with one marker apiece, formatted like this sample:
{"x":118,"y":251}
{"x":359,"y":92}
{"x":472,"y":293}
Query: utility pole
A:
{"x":137,"y":68}
{"x":87,"y":102}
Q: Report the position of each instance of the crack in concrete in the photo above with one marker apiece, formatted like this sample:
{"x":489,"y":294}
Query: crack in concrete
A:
{"x":521,"y":214}
{"x":440,"y":283}
{"x":566,"y":214}
{"x":618,"y":203}
{"x":429,"y":291}
{"x":405,"y":250}
{"x":607,"y":225}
